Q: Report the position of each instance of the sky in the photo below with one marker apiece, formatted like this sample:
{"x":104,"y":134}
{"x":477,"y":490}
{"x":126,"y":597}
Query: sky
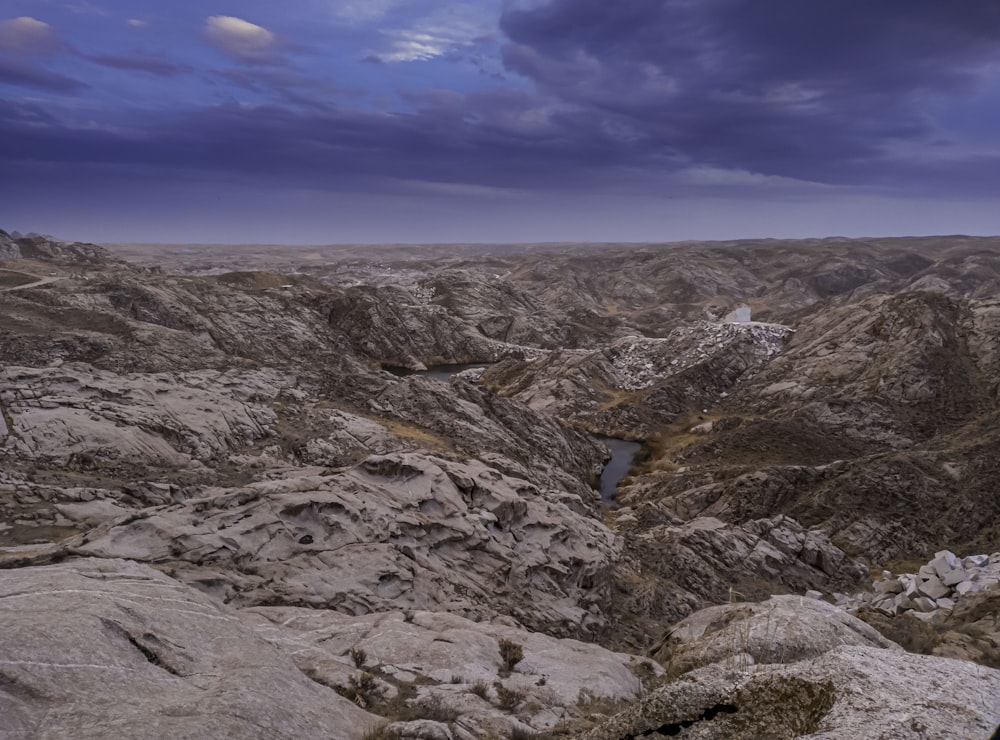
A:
{"x":368,"y":121}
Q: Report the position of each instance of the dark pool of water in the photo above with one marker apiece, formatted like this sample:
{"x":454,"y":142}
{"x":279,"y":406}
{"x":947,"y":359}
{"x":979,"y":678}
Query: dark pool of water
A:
{"x":622,"y":455}
{"x":443,"y":372}
{"x":437,"y":372}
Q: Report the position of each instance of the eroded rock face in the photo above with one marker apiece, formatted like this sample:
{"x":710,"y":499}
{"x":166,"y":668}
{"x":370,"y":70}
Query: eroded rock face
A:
{"x":61,"y":414}
{"x":237,"y":431}
{"x":516,"y":440}
{"x":398,"y":530}
{"x":872,"y":425}
{"x":8,"y":247}
{"x":102,"y":648}
{"x":393,"y":326}
{"x":636,"y":384}
{"x":39,"y":247}
{"x":671,"y":570}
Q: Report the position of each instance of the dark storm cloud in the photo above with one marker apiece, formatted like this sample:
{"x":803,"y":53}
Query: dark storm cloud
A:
{"x":37,"y":78}
{"x":665,"y":97}
{"x":502,"y":139}
{"x":140,"y":63}
{"x":815,"y":90}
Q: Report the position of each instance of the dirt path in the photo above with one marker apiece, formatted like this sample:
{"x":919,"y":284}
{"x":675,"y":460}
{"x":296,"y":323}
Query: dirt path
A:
{"x":39,"y":281}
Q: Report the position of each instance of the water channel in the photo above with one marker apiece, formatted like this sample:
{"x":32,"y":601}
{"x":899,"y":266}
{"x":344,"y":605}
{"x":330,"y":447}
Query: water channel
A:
{"x":623,"y":452}
{"x":623,"y":455}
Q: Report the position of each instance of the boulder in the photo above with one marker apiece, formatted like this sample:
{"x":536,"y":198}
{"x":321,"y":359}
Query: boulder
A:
{"x":850,"y":691}
{"x":782,"y":629}
{"x":932,"y":587}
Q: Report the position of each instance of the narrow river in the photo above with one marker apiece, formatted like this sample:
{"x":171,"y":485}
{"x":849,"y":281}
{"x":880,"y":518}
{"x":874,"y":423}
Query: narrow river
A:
{"x":622,"y":455}
{"x":623,"y":452}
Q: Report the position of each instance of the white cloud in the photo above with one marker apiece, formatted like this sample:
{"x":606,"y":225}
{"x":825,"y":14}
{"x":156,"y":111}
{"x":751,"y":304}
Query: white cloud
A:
{"x":27,"y":36}
{"x":415,"y":46}
{"x":136,"y":23}
{"x":449,"y":28}
{"x":240,"y":39}
{"x":719,"y":176}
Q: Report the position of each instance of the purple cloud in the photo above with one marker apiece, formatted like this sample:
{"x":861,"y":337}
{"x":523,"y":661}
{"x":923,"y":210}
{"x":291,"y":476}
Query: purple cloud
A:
{"x":24,"y":75}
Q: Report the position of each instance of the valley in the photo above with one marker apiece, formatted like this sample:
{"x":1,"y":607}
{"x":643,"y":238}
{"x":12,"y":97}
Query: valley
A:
{"x":340,"y":480}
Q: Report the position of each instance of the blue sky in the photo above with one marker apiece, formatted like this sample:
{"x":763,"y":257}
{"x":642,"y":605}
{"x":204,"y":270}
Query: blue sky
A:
{"x":498,"y":120}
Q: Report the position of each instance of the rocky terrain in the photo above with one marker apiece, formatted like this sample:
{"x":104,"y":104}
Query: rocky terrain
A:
{"x":217,"y":499}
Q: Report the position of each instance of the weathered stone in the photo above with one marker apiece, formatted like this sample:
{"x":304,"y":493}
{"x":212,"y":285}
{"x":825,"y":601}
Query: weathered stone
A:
{"x":954,"y":576}
{"x":945,"y":559}
{"x":393,"y":532}
{"x":910,"y":583}
{"x":888,"y":587}
{"x":846,"y":692}
{"x":924,"y":604}
{"x":454,"y":661}
{"x":782,"y":629}
{"x":932,"y":587}
{"x":903,"y":602}
{"x":77,"y":637}
{"x":967,"y":587}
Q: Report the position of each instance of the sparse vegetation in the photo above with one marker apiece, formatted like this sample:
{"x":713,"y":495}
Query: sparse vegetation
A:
{"x":359,"y":657}
{"x":363,"y":690}
{"x":511,"y":653}
{"x":508,"y":699}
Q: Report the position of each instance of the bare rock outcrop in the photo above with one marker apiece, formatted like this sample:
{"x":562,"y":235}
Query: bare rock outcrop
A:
{"x":638,"y":384}
{"x":398,"y":530}
{"x":489,"y":678}
{"x":782,"y":629}
{"x":75,"y":412}
{"x":9,"y":249}
{"x":49,"y":249}
{"x":669,"y":570}
{"x":238,"y":432}
{"x":392,"y":326}
{"x":516,"y":439}
{"x":101,"y":648}
{"x":849,"y":691}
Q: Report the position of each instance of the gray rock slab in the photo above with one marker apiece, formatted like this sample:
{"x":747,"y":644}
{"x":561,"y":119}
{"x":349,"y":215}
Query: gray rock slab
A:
{"x":850,"y":691}
{"x":782,"y":629}
{"x":933,"y":588}
{"x":112,"y":648}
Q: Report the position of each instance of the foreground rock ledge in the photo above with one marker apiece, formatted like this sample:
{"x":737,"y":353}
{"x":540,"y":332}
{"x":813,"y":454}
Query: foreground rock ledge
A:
{"x":106,"y":648}
{"x":859,"y":692}
{"x":112,"y":648}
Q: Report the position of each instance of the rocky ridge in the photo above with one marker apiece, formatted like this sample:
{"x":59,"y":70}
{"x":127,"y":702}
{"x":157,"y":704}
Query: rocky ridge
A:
{"x":236,"y":432}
